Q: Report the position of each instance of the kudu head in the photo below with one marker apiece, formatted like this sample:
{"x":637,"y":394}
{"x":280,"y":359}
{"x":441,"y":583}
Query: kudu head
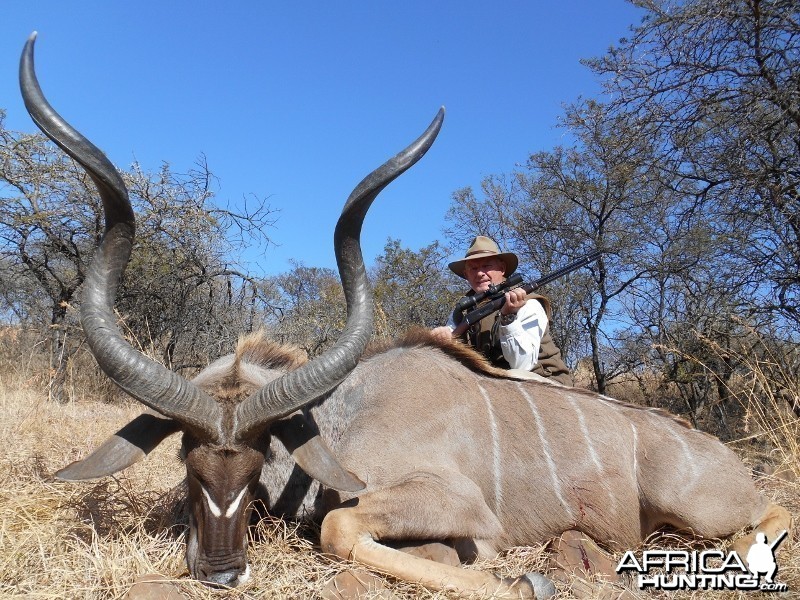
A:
{"x":225,"y":439}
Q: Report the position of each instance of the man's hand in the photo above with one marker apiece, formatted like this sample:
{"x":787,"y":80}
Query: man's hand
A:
{"x":515,"y":299}
{"x":444,"y":334}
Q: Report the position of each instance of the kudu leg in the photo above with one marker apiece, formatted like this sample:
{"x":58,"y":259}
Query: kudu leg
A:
{"x":772,"y":523}
{"x":424,"y":506}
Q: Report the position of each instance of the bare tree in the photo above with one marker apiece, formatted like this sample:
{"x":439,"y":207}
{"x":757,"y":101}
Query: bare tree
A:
{"x":190,"y":245}
{"x":413,"y":288}
{"x":717,"y":81}
{"x":51,"y":219}
{"x":307,"y":307}
{"x":47,"y":237}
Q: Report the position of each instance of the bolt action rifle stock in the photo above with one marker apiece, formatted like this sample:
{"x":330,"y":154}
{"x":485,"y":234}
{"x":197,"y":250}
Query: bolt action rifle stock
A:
{"x":494,"y":298}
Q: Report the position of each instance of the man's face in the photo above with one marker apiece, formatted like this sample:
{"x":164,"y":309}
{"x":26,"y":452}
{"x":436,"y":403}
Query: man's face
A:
{"x":483,"y":272}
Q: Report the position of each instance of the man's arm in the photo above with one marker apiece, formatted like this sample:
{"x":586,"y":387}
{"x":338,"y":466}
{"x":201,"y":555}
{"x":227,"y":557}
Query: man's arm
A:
{"x":520,"y":340}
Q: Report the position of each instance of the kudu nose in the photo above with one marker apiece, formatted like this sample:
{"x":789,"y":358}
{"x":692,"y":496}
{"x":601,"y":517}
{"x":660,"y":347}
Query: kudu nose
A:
{"x":228,"y":578}
{"x":230,"y":575}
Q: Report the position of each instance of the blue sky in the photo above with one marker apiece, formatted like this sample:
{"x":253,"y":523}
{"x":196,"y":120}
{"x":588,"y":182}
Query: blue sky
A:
{"x":298,"y":101}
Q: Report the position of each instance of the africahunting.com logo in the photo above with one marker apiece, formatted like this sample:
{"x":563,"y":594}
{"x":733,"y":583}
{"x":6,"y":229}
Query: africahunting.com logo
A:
{"x":707,"y":569}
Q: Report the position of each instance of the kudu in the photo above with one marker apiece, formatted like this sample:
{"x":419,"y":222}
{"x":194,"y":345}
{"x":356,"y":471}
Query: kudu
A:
{"x":444,"y":446}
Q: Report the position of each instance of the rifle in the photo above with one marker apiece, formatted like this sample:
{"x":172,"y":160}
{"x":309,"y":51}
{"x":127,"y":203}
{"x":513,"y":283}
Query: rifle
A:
{"x":496,"y":293}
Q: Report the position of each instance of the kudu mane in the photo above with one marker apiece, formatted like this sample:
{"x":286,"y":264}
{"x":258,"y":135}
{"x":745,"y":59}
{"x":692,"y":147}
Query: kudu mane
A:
{"x":232,"y":383}
{"x":418,"y":337}
{"x":257,"y":349}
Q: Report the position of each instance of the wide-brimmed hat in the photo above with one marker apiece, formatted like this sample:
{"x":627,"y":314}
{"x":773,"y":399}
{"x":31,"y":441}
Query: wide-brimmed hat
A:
{"x":483,"y":247}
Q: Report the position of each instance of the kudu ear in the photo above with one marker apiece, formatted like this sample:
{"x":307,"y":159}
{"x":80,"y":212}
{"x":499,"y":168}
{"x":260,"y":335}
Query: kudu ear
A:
{"x":302,"y":439}
{"x":129,"y":445}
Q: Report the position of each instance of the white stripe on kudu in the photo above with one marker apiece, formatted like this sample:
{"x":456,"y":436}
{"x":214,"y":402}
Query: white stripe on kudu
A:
{"x":235,"y":504}
{"x":496,"y":458}
{"x":689,"y":461}
{"x":551,"y":465}
{"x":216,"y":511}
{"x":588,"y":440}
{"x":211,"y":504}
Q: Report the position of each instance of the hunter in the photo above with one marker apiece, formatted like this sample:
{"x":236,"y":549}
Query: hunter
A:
{"x":517,"y":336}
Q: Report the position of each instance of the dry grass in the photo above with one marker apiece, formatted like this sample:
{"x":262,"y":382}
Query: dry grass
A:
{"x":92,"y":540}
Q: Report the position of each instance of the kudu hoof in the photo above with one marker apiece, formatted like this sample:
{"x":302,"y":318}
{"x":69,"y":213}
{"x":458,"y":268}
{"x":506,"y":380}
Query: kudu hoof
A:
{"x":542,"y":586}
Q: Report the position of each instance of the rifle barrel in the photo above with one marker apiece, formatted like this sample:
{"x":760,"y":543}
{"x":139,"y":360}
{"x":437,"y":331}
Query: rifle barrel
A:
{"x":565,"y":270}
